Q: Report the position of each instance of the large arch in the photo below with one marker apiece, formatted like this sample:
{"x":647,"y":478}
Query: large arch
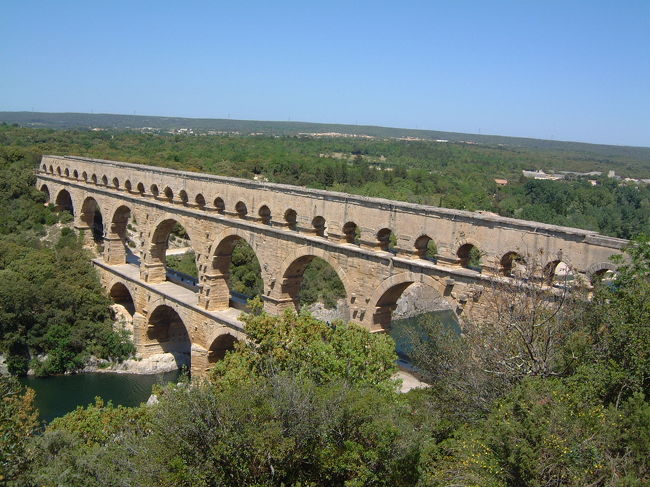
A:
{"x":384,"y":299}
{"x":91,"y":217}
{"x":46,"y":191}
{"x":221,"y":345}
{"x":166,"y":333}
{"x":293,"y":269}
{"x":216,"y":285}
{"x":63,"y":201}
{"x":121,"y":295}
{"x":155,"y":258}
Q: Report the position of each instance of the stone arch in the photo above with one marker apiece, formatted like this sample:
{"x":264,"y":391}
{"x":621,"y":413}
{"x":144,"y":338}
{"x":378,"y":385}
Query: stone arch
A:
{"x":63,"y":201}
{"x":140,"y":189}
{"x":116,"y":183}
{"x":128,"y":186}
{"x":66,"y":172}
{"x":58,"y":170}
{"x":423,"y":247}
{"x":155,"y":258}
{"x":219,"y":205}
{"x":182,"y":195}
{"x":465,"y":251}
{"x":166,"y":332}
{"x":318,"y":224}
{"x":351,"y":233}
{"x":264,"y":214}
{"x":104,"y":181}
{"x":75,"y":174}
{"x":292,"y":272}
{"x":93,"y":179}
{"x":120,"y":294}
{"x":241,"y":209}
{"x":384,"y":237}
{"x":215,"y":290}
{"x":199,"y":200}
{"x":599,"y":268}
{"x":222,"y":344}
{"x":154,"y":190}
{"x":169,"y":194}
{"x":51,"y":169}
{"x":44,"y":189}
{"x":44,"y":168}
{"x":116,"y":237}
{"x":384,"y":299}
{"x":291,"y":219}
{"x":509,"y":261}
{"x":555,"y":269}
{"x":91,"y":217}
{"x":84,"y":176}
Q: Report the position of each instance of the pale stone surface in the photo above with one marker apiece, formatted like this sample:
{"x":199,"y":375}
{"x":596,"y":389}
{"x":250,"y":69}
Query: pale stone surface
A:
{"x":418,"y":299}
{"x":409,"y":381}
{"x":154,"y":364}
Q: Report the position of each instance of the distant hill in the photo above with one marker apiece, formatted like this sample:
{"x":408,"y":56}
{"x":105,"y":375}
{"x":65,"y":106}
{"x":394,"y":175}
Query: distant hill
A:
{"x":247,"y":127}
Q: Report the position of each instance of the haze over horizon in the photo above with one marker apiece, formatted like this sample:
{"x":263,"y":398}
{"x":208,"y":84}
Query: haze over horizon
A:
{"x":551,"y":70}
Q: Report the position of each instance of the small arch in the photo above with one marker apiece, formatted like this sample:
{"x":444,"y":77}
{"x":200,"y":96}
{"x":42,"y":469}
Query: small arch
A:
{"x":44,"y":168}
{"x":241,"y":209}
{"x":154,"y":190}
{"x":45,"y":190}
{"x":265,"y":215}
{"x":84,"y":176}
{"x":140,"y":189}
{"x":352,"y":233}
{"x":104,"y":181}
{"x":469,"y":256}
{"x":219,"y":205}
{"x":116,"y":183}
{"x":220,"y":346}
{"x":183,"y":196}
{"x":318,"y":223}
{"x":291,"y":219}
{"x":426,"y":248}
{"x":121,"y":295}
{"x":63,"y":201}
{"x":75,"y":174}
{"x":66,"y":172}
{"x":509,"y":262}
{"x":596,"y":272}
{"x":557,"y":270}
{"x":58,"y":171}
{"x":200,"y":201}
{"x":93,"y":179}
{"x":127,"y":185}
{"x":51,"y":169}
{"x":387,"y":240}
{"x":169,"y":194}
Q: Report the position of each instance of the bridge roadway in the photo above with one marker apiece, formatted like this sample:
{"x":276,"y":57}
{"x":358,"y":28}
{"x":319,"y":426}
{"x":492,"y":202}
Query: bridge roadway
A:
{"x":287,"y":227}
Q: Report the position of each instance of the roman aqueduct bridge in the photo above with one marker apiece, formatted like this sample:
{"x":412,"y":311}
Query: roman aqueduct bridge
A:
{"x":287,"y":227}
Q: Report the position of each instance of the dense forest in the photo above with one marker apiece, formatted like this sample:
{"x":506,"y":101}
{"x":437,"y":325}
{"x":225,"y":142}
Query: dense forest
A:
{"x":452,"y":175}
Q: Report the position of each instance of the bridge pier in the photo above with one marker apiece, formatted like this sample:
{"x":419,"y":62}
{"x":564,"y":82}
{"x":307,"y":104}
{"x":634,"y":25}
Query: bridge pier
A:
{"x":114,"y":252}
{"x":215,"y":293}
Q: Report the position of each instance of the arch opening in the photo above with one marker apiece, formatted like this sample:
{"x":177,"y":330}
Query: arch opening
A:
{"x":128,"y":186}
{"x":426,"y":248}
{"x":167,"y":333}
{"x":121,"y":295}
{"x":183,"y":196}
{"x":171,"y":248}
{"x":387,"y":240}
{"x":84,"y":176}
{"x":91,"y":215}
{"x":169,"y":194}
{"x":291,"y":219}
{"x":241,"y":209}
{"x":558,"y":273}
{"x":200,"y":201}
{"x":93,"y":179}
{"x":104,"y":181}
{"x":265,"y":215}
{"x":310,"y":280}
{"x":154,"y":190}
{"x":220,"y":346}
{"x":46,"y":191}
{"x":352,"y":233}
{"x":219,"y":205}
{"x":64,"y":202}
{"x":511,"y":264}
{"x":119,"y":243}
{"x":66,"y":172}
{"x":140,"y":188}
{"x":469,"y":256}
{"x":58,"y":171}
{"x":116,"y":183}
{"x":318,"y":223}
{"x":75,"y":174}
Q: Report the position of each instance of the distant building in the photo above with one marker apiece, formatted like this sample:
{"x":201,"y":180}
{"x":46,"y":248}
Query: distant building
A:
{"x":500,"y":182}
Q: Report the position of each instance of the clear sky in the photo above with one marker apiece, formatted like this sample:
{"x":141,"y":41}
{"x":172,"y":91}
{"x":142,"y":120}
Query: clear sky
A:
{"x":565,"y":69}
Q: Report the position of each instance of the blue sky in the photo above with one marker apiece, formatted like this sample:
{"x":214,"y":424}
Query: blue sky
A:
{"x":566,"y":70}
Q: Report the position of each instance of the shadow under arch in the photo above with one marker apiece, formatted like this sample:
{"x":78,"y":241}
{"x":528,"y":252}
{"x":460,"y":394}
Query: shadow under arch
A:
{"x":91,"y":216}
{"x":166,"y":333}
{"x":46,"y":191}
{"x":293,"y":270}
{"x":121,"y":295}
{"x":221,"y":345}
{"x":63,"y":201}
{"x":118,"y":249}
{"x":384,"y":299}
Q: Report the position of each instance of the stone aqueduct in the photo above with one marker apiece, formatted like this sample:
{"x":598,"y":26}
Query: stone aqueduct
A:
{"x":287,"y":227}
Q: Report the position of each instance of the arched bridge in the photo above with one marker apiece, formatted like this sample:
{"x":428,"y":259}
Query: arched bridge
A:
{"x":377,"y":247}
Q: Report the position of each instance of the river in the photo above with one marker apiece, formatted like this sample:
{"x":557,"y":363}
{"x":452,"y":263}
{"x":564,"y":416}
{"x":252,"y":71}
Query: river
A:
{"x":58,"y":395}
